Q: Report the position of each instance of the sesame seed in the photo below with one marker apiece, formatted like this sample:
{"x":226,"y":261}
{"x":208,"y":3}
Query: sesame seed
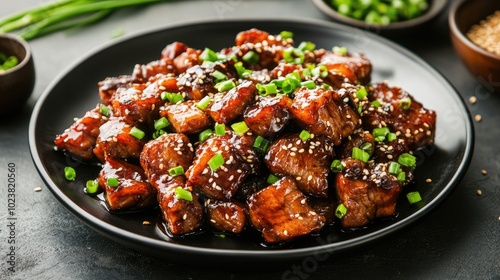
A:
{"x":309,"y":178}
{"x":146,"y":223}
{"x":298,"y":178}
{"x":226,"y":216}
{"x":428,"y":180}
{"x":184,"y":216}
{"x":303,"y":201}
{"x":472,"y":99}
{"x":478,"y":118}
{"x":479,"y":192}
{"x":389,"y":156}
{"x":428,"y":133}
{"x":484,"y":172}
{"x":292,"y":154}
{"x":285,"y":232}
{"x":37,"y":189}
{"x":231,"y":178}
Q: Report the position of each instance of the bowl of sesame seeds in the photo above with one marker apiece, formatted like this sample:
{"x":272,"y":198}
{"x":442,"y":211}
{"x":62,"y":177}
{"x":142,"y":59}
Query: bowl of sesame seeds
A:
{"x":475,"y":34}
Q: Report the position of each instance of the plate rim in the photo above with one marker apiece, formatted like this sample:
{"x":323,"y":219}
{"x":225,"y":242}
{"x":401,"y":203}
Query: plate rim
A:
{"x":130,"y":239}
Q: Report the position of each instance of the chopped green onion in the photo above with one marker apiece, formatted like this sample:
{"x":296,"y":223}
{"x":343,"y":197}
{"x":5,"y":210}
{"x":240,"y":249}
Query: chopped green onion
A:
{"x":242,"y":71}
{"x":267,"y":89}
{"x":216,"y":161}
{"x":161,"y":123}
{"x":308,"y":84}
{"x":158,"y":133}
{"x":320,"y":71}
{"x":293,"y":55}
{"x":112,"y":182}
{"x":376,"y":103}
{"x":251,"y":57}
{"x":261,"y":144}
{"x":219,"y":76}
{"x":225,"y":85}
{"x":357,"y":153}
{"x":367,"y":147}
{"x":183,"y":194}
{"x":272,"y":179}
{"x":176,"y":171}
{"x":286,"y":34}
{"x":305,"y":135}
{"x":208,"y":55}
{"x":239,"y":127}
{"x":137,"y":133}
{"x":413,"y":197}
{"x":7,"y":62}
{"x":380,"y":133}
{"x":340,"y":211}
{"x":407,"y":160}
{"x":394,"y":168}
{"x":339,"y":50}
{"x":174,"y":98}
{"x":326,"y":86}
{"x":91,"y":187}
{"x":290,"y":84}
{"x":361,"y":93}
{"x":405,"y":103}
{"x":306,"y":46}
{"x":336,"y":166}
{"x":69,"y":173}
{"x":205,"y":134}
{"x":204,"y":102}
{"x":391,"y":136}
{"x":220,"y":129}
{"x":402,"y":176}
{"x":104,"y":110}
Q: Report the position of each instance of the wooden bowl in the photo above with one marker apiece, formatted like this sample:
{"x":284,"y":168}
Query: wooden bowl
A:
{"x":484,"y":65}
{"x":16,"y":84}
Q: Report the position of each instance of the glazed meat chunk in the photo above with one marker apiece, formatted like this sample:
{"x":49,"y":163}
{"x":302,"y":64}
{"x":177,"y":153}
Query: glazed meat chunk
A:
{"x":186,"y":117}
{"x":186,"y":60}
{"x":218,"y":169}
{"x":229,"y":105}
{"x":306,"y":161}
{"x":402,"y":114}
{"x":227,"y":216}
{"x":125,"y":186}
{"x":356,"y":140}
{"x":137,"y":104}
{"x":115,"y":140}
{"x":324,"y":112}
{"x":163,"y":153}
{"x":108,"y":86}
{"x":182,"y":213}
{"x":354,"y":66}
{"x":367,"y":191}
{"x":269,"y":115}
{"x":80,"y":138}
{"x":143,"y":72}
{"x":280,"y":212}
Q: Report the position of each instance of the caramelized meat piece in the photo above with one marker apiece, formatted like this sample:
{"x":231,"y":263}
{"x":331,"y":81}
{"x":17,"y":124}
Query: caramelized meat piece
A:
{"x":367,"y":191}
{"x":323,"y":112}
{"x":243,"y":145}
{"x":354,"y":66}
{"x":173,"y":50}
{"x":137,"y":104}
{"x":108,"y":87}
{"x":232,"y":103}
{"x":324,"y":207}
{"x":306,"y":161}
{"x":356,"y":140}
{"x":80,"y":138}
{"x":181,"y":216}
{"x":227,"y":216}
{"x":132,"y":190}
{"x":186,"y":60}
{"x":142,"y":72}
{"x":223,"y":181}
{"x":269,"y":115}
{"x":115,"y":140}
{"x":281,"y":213}
{"x":186,"y":117}
{"x":255,"y":36}
{"x":401,"y":113}
{"x":163,"y":153}
{"x":389,"y":150}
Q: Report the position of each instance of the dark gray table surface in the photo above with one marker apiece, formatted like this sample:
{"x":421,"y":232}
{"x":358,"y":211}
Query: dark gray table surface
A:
{"x":460,"y":240}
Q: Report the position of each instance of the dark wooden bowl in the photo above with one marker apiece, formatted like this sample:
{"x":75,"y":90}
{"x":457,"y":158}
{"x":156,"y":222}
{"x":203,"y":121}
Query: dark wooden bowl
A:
{"x":16,"y":84}
{"x":484,"y":65}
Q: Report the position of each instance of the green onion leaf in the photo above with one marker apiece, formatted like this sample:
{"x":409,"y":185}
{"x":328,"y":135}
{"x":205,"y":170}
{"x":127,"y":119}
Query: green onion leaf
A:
{"x":183,"y":194}
{"x":413,"y":197}
{"x":216,"y":161}
{"x":357,"y":153}
{"x":220,"y":129}
{"x":407,"y":160}
{"x":176,"y":171}
{"x":261,"y":144}
{"x":272,"y":179}
{"x":219,"y":76}
{"x":239,"y":127}
{"x":341,"y":211}
{"x":137,"y":133}
{"x":112,"y":182}
{"x":305,"y":135}
{"x":91,"y":187}
{"x":204,"y":102}
{"x":251,"y":57}
{"x":205,"y":134}
{"x":336,"y":166}
{"x":225,"y":85}
{"x":69,"y":173}
{"x":161,"y":123}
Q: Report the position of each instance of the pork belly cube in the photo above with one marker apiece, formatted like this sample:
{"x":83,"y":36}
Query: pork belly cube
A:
{"x":357,"y":139}
{"x":354,"y":66}
{"x":269,"y":115}
{"x":143,"y":72}
{"x":231,"y":104}
{"x":280,"y":212}
{"x":108,"y":86}
{"x":227,"y":216}
{"x":186,"y":60}
{"x":163,"y":153}
{"x":173,"y":50}
{"x":80,"y":138}
{"x":218,"y":182}
{"x":182,"y":216}
{"x":308,"y":162}
{"x":186,"y":117}
{"x":131,"y":191}
{"x":368,"y":191}
{"x":324,"y":112}
{"x":243,"y":145}
{"x":401,"y":113}
{"x":255,"y":36}
{"x":115,"y":140}
{"x":285,"y":68}
{"x":137,"y":104}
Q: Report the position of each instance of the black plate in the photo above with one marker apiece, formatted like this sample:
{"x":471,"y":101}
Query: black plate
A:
{"x":75,"y":92}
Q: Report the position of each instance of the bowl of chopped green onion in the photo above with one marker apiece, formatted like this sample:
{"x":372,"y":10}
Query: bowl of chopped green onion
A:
{"x":383,"y":16}
{"x":17,"y":73}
